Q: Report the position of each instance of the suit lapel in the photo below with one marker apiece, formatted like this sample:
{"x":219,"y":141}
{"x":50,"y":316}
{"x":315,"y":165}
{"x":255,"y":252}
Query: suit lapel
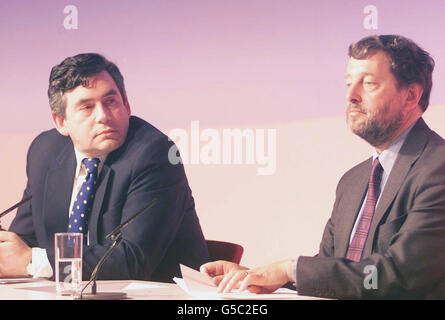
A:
{"x":58,"y":189}
{"x":351,"y":206}
{"x":103,"y":181}
{"x":409,"y":153}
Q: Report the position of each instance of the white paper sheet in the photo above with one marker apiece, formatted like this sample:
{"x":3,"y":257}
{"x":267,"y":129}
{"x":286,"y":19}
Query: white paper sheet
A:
{"x":139,"y":286}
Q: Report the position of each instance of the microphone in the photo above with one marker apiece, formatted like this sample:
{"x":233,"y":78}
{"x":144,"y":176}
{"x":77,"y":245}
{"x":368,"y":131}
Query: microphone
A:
{"x":18,"y":204}
{"x":116,"y":237}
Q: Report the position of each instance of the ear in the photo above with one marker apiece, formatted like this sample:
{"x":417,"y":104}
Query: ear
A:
{"x":414,"y":93}
{"x":59,"y":123}
{"x":127,"y":106}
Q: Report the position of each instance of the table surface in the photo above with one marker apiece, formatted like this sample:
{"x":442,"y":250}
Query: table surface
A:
{"x":139,"y":290}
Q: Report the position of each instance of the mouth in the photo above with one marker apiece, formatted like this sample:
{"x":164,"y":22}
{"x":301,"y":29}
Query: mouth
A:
{"x":106,"y":132}
{"x":355,"y":110}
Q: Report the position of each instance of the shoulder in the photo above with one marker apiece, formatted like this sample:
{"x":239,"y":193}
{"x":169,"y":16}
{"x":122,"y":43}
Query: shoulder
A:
{"x":145,"y":143}
{"x":48,"y":142}
{"x":426,"y":147}
{"x":429,"y":167}
{"x":422,"y":142}
{"x":355,"y":174}
{"x":142,"y":134}
{"x":145,"y":153}
{"x":435,"y":145}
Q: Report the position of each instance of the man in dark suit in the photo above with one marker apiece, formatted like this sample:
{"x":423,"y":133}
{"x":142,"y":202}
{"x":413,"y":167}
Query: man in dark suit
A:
{"x":386,"y":235}
{"x":91,"y":114}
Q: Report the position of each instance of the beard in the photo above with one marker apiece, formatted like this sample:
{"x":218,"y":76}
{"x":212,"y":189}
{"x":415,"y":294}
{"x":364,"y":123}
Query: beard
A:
{"x":375,"y":128}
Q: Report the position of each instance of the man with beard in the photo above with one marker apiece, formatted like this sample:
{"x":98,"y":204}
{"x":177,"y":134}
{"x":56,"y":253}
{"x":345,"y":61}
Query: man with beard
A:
{"x":386,"y":235}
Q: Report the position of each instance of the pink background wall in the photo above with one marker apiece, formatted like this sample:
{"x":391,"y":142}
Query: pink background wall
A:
{"x":229,"y":64}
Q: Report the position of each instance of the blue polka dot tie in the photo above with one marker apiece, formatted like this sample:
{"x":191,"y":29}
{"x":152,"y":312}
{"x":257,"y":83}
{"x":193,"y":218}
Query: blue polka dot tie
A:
{"x":82,"y":205}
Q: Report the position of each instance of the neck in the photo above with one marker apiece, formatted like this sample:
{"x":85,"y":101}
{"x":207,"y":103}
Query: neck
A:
{"x":81,"y":155}
{"x":396,"y":134}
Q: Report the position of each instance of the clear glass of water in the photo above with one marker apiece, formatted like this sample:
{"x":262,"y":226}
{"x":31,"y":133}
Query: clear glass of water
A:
{"x":68,"y":263}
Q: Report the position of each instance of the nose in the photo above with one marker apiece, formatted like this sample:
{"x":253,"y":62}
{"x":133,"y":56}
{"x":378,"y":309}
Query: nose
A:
{"x":353,"y":94}
{"x":102,"y":113}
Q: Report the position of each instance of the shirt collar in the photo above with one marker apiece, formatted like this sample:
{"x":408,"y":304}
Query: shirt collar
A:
{"x":80,"y":157}
{"x":388,"y":156}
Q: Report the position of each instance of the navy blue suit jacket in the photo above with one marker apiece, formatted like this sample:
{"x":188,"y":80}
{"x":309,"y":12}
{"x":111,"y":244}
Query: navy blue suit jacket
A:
{"x":155,"y":243}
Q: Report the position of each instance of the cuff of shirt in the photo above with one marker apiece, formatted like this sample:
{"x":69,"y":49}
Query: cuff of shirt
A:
{"x":294,"y":271}
{"x":40,"y":266}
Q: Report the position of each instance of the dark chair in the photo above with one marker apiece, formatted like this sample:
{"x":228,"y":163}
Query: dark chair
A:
{"x":228,"y":251}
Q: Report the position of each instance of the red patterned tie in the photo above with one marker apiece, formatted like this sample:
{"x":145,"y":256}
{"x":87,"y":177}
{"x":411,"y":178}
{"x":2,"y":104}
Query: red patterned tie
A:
{"x":357,"y":244}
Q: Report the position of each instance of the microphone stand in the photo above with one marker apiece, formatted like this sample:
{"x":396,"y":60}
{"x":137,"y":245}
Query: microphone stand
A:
{"x":116,"y":237}
{"x":18,"y":204}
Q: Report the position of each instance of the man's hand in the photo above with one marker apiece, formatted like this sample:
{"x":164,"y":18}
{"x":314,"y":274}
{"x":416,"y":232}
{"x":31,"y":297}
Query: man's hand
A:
{"x":15,"y":255}
{"x":228,"y":275}
{"x":267,"y":279}
{"x":219,"y":270}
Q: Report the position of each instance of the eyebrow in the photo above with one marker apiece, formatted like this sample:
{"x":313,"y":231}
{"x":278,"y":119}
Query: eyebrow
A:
{"x":363,"y":73}
{"x":110,"y":92}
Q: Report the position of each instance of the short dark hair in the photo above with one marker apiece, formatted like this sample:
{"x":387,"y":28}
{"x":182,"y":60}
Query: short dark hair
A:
{"x":408,"y":62}
{"x":75,"y":71}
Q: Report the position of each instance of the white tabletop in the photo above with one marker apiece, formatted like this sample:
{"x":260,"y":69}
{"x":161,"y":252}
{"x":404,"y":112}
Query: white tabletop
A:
{"x":139,"y":290}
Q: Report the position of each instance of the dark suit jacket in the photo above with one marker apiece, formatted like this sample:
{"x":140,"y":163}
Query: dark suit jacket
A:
{"x":155,"y":243}
{"x":406,"y":241}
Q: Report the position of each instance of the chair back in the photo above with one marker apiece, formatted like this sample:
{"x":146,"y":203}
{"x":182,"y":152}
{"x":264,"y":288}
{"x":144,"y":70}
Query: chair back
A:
{"x":220,"y":250}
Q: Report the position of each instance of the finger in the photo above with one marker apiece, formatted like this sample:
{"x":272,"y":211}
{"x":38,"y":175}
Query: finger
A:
{"x":214,"y":268}
{"x":235,"y":281}
{"x":253,"y":283}
{"x":204,"y":269}
{"x":207,"y":267}
{"x":252,"y":279}
{"x":245,"y":284}
{"x":226,"y":279}
{"x":210,"y":269}
{"x":5,"y":235}
{"x":217,"y":279}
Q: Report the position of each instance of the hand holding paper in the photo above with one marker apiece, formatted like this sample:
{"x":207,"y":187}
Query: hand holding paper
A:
{"x":265,"y":279}
{"x":201,"y":285}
